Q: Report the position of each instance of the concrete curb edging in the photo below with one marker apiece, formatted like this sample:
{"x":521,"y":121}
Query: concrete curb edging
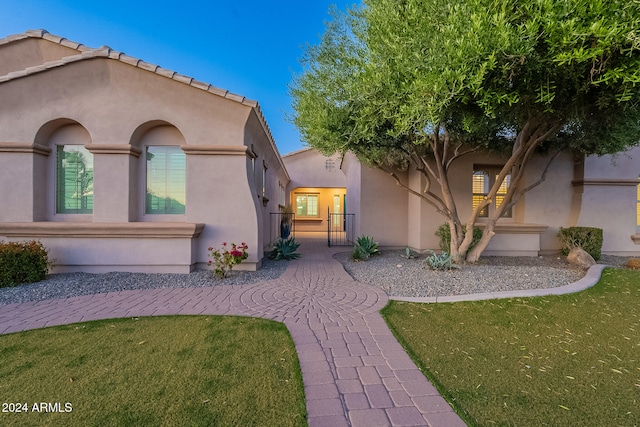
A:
{"x":590,"y":279}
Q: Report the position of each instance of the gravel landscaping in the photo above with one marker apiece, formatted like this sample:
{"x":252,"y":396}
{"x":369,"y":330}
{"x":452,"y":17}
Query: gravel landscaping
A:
{"x":399,"y":276}
{"x":396,"y":275}
{"x":75,"y":284}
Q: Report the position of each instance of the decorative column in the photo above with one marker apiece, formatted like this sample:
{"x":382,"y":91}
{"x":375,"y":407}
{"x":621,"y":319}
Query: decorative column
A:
{"x":115,"y":182}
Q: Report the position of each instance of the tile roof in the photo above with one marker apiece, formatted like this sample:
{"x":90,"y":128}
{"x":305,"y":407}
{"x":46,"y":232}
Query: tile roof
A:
{"x":85,"y":52}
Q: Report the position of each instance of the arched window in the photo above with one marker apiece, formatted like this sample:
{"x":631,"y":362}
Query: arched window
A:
{"x":68,"y":170}
{"x":162,"y":171}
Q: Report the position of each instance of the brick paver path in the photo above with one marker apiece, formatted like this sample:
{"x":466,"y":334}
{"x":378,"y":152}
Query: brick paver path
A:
{"x":355,"y":372}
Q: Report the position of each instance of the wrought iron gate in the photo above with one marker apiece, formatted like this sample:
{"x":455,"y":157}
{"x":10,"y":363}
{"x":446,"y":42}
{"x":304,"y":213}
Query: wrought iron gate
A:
{"x":340,"y":229}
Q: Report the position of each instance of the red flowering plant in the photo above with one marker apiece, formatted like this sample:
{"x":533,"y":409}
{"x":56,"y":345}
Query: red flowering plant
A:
{"x":225,"y":258}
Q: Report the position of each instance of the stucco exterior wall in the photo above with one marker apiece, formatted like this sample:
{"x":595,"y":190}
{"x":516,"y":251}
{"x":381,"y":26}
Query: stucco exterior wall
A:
{"x":383,"y":209}
{"x":606,"y":190}
{"x":31,"y":52}
{"x":116,"y":109}
{"x":575,"y":192}
{"x":309,"y":168}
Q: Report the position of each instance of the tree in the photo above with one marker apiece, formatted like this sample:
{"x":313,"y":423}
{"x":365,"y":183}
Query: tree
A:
{"x":420,"y":83}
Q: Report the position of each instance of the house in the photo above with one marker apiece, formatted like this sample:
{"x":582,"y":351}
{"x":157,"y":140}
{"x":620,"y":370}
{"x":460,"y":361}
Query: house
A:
{"x":116,"y":164}
{"x":578,"y":191}
{"x":585,"y":191}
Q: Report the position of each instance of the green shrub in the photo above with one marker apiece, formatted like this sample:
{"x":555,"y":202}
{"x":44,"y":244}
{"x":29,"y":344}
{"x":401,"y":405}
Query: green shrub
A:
{"x":587,"y":238}
{"x":22,"y":262}
{"x":356,"y":255}
{"x":285,"y":249}
{"x":440,"y":262}
{"x":367,"y":247}
{"x":444,"y":233}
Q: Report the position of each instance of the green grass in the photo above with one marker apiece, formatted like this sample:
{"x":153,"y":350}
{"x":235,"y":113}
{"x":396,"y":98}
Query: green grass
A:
{"x":155,"y":371}
{"x":571,"y":360}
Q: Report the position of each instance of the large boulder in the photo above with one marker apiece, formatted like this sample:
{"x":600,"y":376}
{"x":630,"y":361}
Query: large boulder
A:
{"x":579,"y":257}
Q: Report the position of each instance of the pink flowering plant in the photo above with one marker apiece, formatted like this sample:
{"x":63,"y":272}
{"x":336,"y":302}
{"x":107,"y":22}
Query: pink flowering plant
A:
{"x":225,"y":258}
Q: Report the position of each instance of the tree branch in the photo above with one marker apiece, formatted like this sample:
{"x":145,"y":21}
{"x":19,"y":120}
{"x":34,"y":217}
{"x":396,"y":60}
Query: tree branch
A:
{"x":458,"y":155}
{"x":440,"y":209}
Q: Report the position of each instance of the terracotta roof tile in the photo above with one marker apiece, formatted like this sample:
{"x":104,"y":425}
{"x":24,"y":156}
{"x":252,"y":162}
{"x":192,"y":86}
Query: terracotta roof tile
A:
{"x":165,"y":73}
{"x":147,"y":66}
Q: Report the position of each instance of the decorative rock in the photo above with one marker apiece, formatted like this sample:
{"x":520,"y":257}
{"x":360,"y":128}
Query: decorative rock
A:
{"x":579,"y":257}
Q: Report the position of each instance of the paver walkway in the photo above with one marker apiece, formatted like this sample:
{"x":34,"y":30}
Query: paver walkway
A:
{"x":355,"y":372}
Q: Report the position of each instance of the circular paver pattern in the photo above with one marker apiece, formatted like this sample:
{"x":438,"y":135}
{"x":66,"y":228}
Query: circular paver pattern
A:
{"x":287,"y":298}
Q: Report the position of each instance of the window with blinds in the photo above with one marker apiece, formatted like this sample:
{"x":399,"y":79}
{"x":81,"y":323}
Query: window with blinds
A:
{"x":483,"y":179}
{"x":74,"y":180}
{"x":166,"y":180}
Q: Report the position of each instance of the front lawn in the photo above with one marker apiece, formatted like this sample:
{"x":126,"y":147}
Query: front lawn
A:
{"x":556,"y":361}
{"x":153,"y":371}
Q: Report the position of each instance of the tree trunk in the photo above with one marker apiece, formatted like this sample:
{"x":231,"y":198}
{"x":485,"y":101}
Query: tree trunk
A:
{"x":476,"y":251}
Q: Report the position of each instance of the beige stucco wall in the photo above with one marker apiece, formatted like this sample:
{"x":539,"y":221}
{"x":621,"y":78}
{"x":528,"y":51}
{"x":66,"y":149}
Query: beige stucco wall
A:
{"x":606,"y":190}
{"x":381,"y":210}
{"x":31,"y":52}
{"x":116,"y":109}
{"x":310,"y":168}
{"x":581,"y":193}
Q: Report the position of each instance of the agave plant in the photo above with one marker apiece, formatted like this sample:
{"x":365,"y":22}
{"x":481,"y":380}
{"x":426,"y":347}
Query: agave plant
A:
{"x":284,"y":249}
{"x":366,"y":247}
{"x":444,"y":261}
{"x":408,"y":254}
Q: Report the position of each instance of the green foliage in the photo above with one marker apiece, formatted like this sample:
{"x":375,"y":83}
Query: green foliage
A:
{"x":22,"y":262}
{"x":225,"y":258}
{"x":420,"y":82}
{"x":285,"y":249}
{"x":587,"y":238}
{"x":366,"y":247}
{"x":386,"y":74}
{"x":356,"y":254}
{"x":444,"y":233}
{"x":443,"y":261}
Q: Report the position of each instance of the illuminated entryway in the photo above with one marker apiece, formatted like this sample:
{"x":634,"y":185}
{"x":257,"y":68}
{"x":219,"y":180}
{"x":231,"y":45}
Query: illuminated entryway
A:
{"x":321,"y":213}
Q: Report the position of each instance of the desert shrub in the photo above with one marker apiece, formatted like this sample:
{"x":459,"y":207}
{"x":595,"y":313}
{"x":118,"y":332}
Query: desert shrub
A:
{"x":633,"y":263}
{"x":440,"y":262}
{"x":366,"y":247}
{"x":444,"y":233}
{"x":587,"y":238}
{"x":284,"y":249}
{"x":22,"y":262}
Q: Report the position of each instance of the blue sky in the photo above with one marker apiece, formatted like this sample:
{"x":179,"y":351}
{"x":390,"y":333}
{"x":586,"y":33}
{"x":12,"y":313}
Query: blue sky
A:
{"x":247,"y":47}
